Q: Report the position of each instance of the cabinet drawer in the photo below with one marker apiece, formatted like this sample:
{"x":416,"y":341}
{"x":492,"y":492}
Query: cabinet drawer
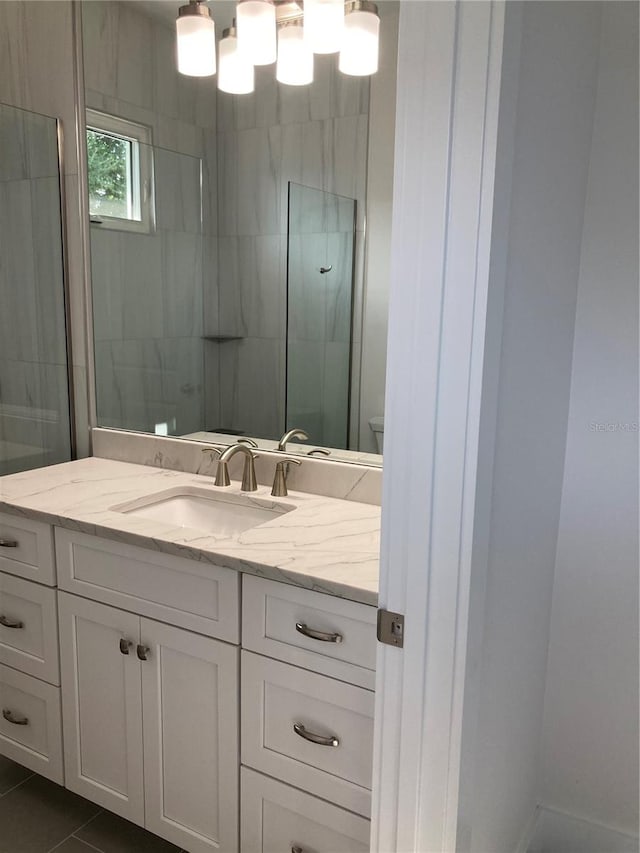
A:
{"x":278,"y":819}
{"x":277,"y":697}
{"x":30,"y":725}
{"x":29,"y":628}
{"x":187,"y":593}
{"x":271,"y":611}
{"x":26,"y":549}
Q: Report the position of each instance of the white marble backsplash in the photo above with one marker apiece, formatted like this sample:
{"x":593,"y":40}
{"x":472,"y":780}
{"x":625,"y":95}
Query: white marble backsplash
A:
{"x":351,"y":482}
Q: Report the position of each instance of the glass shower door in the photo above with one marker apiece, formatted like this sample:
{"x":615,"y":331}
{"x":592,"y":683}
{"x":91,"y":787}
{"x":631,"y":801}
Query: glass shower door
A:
{"x":320,"y":266}
{"x":34,"y":383}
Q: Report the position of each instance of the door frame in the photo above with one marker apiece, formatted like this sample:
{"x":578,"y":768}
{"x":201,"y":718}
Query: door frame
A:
{"x":448,"y":94}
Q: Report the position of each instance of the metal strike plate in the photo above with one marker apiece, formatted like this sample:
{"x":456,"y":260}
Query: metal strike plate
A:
{"x":391,"y":628}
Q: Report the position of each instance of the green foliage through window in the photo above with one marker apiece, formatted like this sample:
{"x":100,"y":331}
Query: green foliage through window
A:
{"x":108,"y":160}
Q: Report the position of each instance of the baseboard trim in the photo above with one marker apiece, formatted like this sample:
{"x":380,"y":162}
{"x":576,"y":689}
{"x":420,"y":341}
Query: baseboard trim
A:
{"x":554,"y":831}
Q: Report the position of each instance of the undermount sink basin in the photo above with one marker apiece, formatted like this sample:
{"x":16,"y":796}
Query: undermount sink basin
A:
{"x":200,"y":509}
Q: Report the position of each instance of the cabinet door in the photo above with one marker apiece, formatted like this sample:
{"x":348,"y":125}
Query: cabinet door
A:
{"x":102,"y":705}
{"x":190,"y":701}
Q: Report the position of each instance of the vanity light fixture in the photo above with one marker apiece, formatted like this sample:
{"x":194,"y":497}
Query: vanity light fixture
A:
{"x":359,"y":50}
{"x":285,"y":31}
{"x":324,"y":25}
{"x":236,"y":74}
{"x":256,"y":24}
{"x":295,"y":57}
{"x":196,"y":38}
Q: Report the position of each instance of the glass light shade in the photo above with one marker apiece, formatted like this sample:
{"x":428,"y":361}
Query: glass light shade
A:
{"x":256,"y":25}
{"x":295,"y":58}
{"x":324,"y":25}
{"x":359,"y":53}
{"x":235,"y":75}
{"x":196,"y":37}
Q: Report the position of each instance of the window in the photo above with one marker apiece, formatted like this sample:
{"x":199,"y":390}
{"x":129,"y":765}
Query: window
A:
{"x":120,"y":173}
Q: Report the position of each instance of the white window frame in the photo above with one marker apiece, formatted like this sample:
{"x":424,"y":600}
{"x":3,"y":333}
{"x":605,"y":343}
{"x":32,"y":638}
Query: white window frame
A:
{"x":142,"y":219}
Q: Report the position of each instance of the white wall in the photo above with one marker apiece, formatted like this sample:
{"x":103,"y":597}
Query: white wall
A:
{"x":535,"y":267}
{"x":591,"y":712}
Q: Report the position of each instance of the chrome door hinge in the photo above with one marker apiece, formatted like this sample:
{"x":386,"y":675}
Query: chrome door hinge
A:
{"x":391,"y":628}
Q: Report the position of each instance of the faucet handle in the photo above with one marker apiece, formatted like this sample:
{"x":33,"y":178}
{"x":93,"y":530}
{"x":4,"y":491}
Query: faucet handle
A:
{"x":279,"y":488}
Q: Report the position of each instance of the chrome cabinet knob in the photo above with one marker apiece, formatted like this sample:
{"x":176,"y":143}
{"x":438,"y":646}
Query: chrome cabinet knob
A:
{"x":125,"y":645}
{"x":142,"y":651}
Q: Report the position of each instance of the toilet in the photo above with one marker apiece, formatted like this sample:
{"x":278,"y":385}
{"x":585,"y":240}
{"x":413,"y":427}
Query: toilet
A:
{"x":377,"y":427}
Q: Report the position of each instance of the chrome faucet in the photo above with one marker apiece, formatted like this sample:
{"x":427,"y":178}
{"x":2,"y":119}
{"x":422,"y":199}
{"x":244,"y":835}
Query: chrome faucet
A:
{"x":279,"y":488}
{"x":249,"y":483}
{"x":293,"y":433}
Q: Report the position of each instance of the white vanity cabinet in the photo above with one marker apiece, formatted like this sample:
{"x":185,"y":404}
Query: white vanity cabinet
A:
{"x":30,"y":721}
{"x":150,"y":723}
{"x":136,"y":660}
{"x":150,"y":709}
{"x":307,"y":720}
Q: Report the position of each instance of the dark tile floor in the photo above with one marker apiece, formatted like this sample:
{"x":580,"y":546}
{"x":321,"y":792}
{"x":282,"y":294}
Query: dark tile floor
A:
{"x":38,"y":816}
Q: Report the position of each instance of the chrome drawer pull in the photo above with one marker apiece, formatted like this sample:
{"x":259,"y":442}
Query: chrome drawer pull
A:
{"x":301,"y":628}
{"x":9,"y":623}
{"x":17,"y":721}
{"x":296,"y":849}
{"x":8,"y":543}
{"x":300,"y":730}
{"x":125,"y":645}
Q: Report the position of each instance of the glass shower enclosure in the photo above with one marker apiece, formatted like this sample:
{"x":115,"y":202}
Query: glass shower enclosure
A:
{"x":320,"y":276}
{"x":35,"y":421}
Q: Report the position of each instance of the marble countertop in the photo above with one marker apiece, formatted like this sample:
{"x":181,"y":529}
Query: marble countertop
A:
{"x":325,"y":544}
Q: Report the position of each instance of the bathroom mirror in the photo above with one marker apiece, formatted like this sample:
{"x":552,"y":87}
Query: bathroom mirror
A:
{"x":239,"y":243}
{"x":34,"y":382}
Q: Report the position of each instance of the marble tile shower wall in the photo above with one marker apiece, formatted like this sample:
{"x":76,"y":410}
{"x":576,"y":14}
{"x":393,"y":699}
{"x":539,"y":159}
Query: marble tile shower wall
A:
{"x":34,"y":396}
{"x":316,"y":136}
{"x":149,"y":290}
{"x":37,"y":73}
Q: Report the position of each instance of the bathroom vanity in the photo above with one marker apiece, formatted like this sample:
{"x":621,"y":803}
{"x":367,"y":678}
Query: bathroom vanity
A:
{"x":214,"y":687}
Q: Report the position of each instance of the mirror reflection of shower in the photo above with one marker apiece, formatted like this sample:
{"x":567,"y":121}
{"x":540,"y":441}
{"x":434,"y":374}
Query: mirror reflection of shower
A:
{"x":34,"y":383}
{"x":320,"y":286}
